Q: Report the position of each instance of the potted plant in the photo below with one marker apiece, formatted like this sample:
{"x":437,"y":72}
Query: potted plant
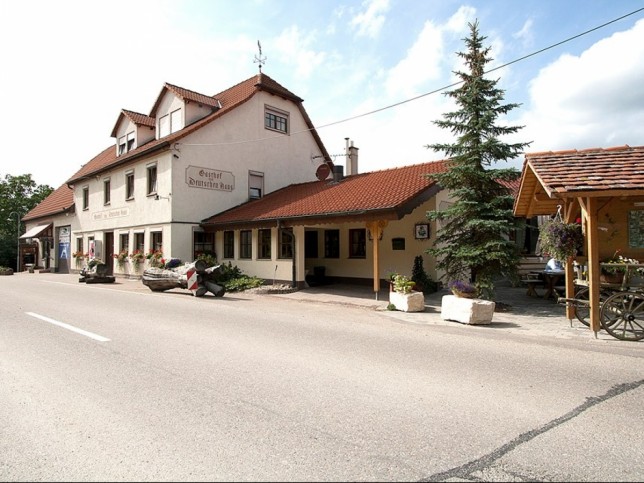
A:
{"x":121,"y":257}
{"x":78,"y":256}
{"x":137,"y":257}
{"x":613,"y":269}
{"x":560,"y":240}
{"x":463,"y":289}
{"x":403,"y":284}
{"x":156,"y":258}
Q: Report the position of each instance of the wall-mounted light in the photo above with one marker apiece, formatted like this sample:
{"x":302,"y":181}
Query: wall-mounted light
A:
{"x":157,"y":197}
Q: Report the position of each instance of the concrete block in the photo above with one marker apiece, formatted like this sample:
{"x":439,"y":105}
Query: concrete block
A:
{"x":467,"y":311}
{"x":408,"y":302}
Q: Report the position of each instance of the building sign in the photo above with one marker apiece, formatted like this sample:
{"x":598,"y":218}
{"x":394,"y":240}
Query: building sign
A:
{"x":63,"y":242}
{"x":210,"y":179}
{"x":109,"y":214}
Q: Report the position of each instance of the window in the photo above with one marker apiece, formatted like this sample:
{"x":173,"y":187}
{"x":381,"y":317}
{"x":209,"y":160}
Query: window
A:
{"x":170,"y":123}
{"x":79,"y":245}
{"x":152,"y":179}
{"x":331,"y":243}
{"x":122,"y":148}
{"x":264,"y":244}
{"x":86,"y":198}
{"x":276,"y":120}
{"x":124,"y":241}
{"x":357,"y":243}
{"x":130,"y":141}
{"x":175,"y":121}
{"x":310,"y":244}
{"x":164,"y":126}
{"x":229,"y":244}
{"x":245,"y":244}
{"x":255,"y":185}
{"x":129,"y":185}
{"x":139,"y":243}
{"x":106,"y":191}
{"x":286,"y":244}
{"x":156,"y":241}
{"x":203,"y":243}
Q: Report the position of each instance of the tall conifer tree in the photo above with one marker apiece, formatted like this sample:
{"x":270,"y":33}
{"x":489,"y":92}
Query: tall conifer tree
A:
{"x":473,"y":241}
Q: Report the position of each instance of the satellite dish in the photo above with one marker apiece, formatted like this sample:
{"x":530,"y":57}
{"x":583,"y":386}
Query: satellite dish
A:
{"x":323,"y":171}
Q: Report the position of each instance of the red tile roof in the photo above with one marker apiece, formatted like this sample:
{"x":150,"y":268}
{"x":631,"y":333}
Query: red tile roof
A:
{"x":549,"y":178}
{"x":59,"y":201}
{"x":590,"y":170}
{"x":185,"y":94}
{"x":388,"y":194}
{"x":230,"y":99}
{"x":136,"y":118}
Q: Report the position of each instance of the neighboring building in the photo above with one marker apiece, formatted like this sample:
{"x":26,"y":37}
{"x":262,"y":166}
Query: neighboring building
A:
{"x":193,"y":155}
{"x":48,"y":226}
{"x":354,"y":229}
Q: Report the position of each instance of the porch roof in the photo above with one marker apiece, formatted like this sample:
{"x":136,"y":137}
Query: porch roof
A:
{"x":551,"y":178}
{"x":379,"y":195}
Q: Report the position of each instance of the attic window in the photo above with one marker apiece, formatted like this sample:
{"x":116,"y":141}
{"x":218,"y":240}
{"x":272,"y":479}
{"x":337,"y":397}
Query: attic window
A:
{"x":122,"y":145}
{"x":126,"y":143}
{"x":170,"y":123}
{"x":276,"y":120}
{"x":130,"y":141}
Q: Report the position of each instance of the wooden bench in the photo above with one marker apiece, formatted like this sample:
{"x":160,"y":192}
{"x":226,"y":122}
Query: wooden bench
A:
{"x":531,"y":280}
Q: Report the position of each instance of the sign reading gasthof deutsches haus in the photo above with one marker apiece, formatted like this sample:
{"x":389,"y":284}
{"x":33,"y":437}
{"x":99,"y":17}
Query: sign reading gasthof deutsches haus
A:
{"x":211,"y":179}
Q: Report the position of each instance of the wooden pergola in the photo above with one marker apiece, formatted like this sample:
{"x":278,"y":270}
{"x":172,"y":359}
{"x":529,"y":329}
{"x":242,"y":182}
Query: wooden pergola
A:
{"x":586,"y":184}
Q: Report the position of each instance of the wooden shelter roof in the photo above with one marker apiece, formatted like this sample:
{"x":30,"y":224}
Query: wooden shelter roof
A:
{"x":551,"y":178}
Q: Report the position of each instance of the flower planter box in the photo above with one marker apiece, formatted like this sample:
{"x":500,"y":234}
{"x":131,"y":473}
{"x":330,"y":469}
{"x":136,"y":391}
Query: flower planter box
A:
{"x":467,"y":311}
{"x":408,"y":302}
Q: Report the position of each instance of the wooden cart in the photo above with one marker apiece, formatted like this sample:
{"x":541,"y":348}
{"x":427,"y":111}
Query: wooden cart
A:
{"x":621,"y":302}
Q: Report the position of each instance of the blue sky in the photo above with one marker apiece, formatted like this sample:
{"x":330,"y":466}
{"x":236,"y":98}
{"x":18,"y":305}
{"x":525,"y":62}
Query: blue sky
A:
{"x":69,"y":67}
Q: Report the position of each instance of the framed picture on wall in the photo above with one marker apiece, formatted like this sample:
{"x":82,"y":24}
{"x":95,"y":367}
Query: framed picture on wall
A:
{"x":421,"y":231}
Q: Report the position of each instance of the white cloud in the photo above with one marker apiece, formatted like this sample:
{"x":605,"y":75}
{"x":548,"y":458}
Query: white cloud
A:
{"x":591,"y":100}
{"x":525,"y":35}
{"x":370,"y":21}
{"x":293,"y":48}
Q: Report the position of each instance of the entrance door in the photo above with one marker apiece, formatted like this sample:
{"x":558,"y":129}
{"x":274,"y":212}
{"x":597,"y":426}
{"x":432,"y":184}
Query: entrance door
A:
{"x":109,"y":252}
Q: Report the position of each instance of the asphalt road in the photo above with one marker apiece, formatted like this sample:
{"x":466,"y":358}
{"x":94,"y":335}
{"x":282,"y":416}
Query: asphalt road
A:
{"x":103,"y":384}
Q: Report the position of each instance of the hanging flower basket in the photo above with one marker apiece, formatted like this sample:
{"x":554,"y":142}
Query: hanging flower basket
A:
{"x":560,"y":240}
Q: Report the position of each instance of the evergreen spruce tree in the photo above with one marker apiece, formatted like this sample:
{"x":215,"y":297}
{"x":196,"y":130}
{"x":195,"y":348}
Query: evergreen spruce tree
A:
{"x":473,"y":240}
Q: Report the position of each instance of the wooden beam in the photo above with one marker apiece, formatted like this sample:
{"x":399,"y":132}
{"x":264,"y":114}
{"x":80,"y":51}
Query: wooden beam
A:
{"x":376,"y":229}
{"x":589,"y":205}
{"x":570,"y":210}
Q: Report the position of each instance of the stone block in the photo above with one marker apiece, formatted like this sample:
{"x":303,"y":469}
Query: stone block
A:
{"x":467,"y":311}
{"x":408,"y":302}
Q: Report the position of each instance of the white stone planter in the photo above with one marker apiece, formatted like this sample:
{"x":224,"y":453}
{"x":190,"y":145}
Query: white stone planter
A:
{"x":467,"y":311}
{"x":408,"y":302}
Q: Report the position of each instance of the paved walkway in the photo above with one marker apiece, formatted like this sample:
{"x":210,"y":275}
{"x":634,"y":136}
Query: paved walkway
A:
{"x":525,"y":315}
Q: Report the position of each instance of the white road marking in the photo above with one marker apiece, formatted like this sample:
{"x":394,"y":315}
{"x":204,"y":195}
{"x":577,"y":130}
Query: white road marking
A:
{"x":91,"y":335}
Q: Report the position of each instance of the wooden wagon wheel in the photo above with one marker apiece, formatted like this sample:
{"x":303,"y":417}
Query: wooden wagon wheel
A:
{"x":582,"y":311}
{"x":622,"y":315}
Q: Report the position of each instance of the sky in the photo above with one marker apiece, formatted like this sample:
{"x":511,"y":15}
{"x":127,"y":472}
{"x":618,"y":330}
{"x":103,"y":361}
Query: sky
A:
{"x":373,"y":71}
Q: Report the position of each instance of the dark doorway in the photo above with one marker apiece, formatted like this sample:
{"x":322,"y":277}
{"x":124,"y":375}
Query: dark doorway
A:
{"x":109,"y":252}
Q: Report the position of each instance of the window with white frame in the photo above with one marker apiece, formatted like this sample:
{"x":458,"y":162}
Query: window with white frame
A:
{"x":229,"y":244}
{"x":86,"y":198}
{"x":175,"y":121}
{"x":156,"y":241}
{"x":255,"y":185}
{"x":264,"y":244}
{"x":245,"y":244}
{"x":124,"y":241}
{"x":107,"y":191}
{"x":130,"y":141}
{"x":139,"y":242}
{"x":286,"y":243}
{"x":129,"y":185}
{"x":164,"y":125}
{"x":203,"y":243}
{"x":122,"y":149}
{"x":276,"y":119}
{"x":152,"y":179}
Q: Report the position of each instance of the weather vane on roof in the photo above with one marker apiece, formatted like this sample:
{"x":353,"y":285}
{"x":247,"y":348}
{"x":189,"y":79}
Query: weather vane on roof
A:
{"x":260,"y":59}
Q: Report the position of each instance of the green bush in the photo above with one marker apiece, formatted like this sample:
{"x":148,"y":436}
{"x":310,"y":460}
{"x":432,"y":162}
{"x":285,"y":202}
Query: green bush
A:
{"x":423,"y":281}
{"x":231,"y":277}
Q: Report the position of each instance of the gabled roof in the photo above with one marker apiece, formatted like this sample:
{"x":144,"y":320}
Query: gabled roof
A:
{"x":229,"y":98}
{"x":387,"y":194}
{"x":548,"y":178}
{"x":59,"y":201}
{"x":136,"y":117}
{"x":186,"y":95}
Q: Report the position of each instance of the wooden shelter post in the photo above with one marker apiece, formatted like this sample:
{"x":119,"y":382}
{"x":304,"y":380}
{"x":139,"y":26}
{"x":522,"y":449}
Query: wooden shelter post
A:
{"x":589,"y":213}
{"x":376,"y":229}
{"x":569,"y":216}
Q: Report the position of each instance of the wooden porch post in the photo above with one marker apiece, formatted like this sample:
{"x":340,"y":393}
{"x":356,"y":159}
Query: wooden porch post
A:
{"x":589,"y":210}
{"x":376,"y":229}
{"x":569,"y":215}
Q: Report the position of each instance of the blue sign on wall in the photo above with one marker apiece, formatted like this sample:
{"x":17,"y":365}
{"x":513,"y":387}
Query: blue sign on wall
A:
{"x":63,"y":251}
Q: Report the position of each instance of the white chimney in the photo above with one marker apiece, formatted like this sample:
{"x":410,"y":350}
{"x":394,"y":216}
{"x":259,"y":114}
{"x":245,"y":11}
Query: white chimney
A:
{"x":351,"y":154}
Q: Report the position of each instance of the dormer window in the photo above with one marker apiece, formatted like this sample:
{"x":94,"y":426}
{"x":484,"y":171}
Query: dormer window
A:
{"x":170,"y":123}
{"x":126,"y":143}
